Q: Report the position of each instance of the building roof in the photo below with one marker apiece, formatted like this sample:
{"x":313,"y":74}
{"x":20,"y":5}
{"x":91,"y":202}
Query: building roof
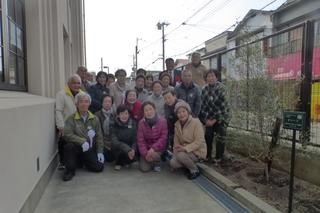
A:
{"x":218,"y":36}
{"x":287,"y":4}
{"x":252,"y":13}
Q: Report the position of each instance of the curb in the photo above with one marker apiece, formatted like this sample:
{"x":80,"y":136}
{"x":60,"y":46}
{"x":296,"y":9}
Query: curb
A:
{"x":246,"y":198}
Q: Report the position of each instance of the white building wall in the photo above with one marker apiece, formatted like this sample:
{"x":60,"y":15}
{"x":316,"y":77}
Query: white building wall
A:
{"x":27,"y":125}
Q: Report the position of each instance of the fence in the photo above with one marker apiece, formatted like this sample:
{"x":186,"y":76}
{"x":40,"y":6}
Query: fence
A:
{"x":266,"y":75}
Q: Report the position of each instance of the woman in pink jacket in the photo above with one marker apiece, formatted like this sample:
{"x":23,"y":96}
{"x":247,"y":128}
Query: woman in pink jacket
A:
{"x":151,"y":138}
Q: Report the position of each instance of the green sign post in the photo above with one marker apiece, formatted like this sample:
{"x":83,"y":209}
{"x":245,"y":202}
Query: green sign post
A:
{"x":294,"y":121}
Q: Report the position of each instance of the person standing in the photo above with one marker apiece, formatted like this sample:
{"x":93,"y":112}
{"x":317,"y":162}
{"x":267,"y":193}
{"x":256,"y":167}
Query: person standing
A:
{"x":174,"y":73}
{"x":189,"y":92}
{"x":157,"y":98}
{"x":83,"y":139}
{"x":149,"y":80}
{"x":165,"y":79}
{"x":170,"y":100}
{"x":214,"y":114}
{"x":82,"y":72}
{"x":97,"y":91}
{"x":197,"y":69}
{"x":111,"y":79}
{"x":119,"y":88}
{"x":133,"y":104}
{"x":142,"y":93}
{"x":65,"y":107}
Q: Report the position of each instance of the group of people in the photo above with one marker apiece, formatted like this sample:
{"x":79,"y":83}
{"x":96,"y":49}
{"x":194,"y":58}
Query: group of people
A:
{"x":171,"y":119}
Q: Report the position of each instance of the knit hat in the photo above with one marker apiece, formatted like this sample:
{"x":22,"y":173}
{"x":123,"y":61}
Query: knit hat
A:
{"x":182,"y":104}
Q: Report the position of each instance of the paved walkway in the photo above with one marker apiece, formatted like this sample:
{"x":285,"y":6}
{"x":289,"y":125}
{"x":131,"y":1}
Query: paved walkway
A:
{"x":125,"y":191}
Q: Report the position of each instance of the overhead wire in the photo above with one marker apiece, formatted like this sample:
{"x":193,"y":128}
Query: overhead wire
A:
{"x":233,"y":25}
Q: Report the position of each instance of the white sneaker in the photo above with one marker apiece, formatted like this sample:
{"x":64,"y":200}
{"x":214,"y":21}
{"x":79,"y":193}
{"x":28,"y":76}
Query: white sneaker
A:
{"x":157,"y":169}
{"x":117,"y":167}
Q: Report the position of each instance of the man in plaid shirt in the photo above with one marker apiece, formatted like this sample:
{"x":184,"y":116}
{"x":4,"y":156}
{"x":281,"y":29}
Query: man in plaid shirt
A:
{"x":214,"y":114}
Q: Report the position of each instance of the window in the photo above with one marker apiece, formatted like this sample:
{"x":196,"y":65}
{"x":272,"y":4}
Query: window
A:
{"x":287,"y":42}
{"x":12,"y":51}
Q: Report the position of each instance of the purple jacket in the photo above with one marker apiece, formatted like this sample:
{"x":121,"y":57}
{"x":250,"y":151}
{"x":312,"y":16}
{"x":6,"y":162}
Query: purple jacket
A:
{"x":155,"y":137}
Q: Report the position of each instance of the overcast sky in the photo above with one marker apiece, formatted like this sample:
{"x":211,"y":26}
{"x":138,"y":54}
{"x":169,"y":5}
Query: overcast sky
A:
{"x":112,"y":28}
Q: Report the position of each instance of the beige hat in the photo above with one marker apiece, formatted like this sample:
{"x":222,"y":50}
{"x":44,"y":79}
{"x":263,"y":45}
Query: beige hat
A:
{"x":182,"y":104}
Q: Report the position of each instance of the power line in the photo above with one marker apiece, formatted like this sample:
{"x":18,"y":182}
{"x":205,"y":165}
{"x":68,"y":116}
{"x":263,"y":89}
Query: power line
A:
{"x":233,"y":25}
{"x":190,"y":17}
{"x":189,"y":50}
{"x":183,"y":23}
{"x":221,"y":6}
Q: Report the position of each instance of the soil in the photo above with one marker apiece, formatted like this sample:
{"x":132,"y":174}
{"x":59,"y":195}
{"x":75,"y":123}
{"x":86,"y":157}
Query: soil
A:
{"x":250,"y":175}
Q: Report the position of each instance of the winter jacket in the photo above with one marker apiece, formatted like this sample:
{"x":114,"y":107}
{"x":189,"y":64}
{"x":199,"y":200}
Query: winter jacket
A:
{"x":214,"y":104}
{"x":159,"y":103}
{"x":197,"y":73}
{"x":76,"y":130}
{"x":96,"y":92}
{"x":170,"y":116}
{"x":124,"y":136}
{"x":118,"y":93}
{"x":152,"y":137}
{"x":135,"y":110}
{"x":143,"y":95}
{"x":65,"y":106}
{"x":191,"y":137}
{"x":106,"y":127}
{"x":191,"y":95}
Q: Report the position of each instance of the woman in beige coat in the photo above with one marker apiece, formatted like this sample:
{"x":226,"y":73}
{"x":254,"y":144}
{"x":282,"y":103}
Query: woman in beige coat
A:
{"x":189,"y":143}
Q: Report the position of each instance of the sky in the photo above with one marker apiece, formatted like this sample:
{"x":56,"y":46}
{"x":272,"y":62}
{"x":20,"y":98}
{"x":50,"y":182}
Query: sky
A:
{"x":114,"y":27}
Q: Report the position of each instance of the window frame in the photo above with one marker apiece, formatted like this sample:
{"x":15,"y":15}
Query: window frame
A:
{"x":5,"y":82}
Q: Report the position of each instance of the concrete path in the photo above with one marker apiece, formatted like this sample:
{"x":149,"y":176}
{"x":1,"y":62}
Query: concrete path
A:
{"x":125,"y":191}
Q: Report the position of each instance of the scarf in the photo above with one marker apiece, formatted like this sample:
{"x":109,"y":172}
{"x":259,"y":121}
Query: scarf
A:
{"x":152,"y":121}
{"x":106,"y":122}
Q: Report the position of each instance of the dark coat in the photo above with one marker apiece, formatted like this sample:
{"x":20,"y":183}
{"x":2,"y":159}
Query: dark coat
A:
{"x":96,"y":92}
{"x":124,"y":137}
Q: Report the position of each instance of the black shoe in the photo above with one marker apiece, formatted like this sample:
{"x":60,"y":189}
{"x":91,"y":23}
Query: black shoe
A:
{"x":61,"y":167}
{"x":186,"y":171}
{"x":193,"y":175}
{"x":68,"y":175}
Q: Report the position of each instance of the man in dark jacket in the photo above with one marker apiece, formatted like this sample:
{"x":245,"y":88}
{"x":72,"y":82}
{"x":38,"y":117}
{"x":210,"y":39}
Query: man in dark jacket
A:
{"x":174,"y":73}
{"x":189,"y":92}
{"x":98,"y":90}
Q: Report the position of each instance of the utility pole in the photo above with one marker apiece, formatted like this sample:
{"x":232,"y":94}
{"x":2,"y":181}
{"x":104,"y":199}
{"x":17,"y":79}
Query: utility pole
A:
{"x":101,"y":62}
{"x":135,"y":62}
{"x":136,"y":53}
{"x":161,"y":27}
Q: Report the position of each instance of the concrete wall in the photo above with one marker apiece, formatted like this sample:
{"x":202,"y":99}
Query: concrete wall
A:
{"x":27,"y":134}
{"x":54,"y":49}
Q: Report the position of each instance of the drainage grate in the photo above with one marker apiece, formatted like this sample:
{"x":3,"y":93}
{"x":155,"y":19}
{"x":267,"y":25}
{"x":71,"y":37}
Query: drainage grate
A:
{"x":219,"y":195}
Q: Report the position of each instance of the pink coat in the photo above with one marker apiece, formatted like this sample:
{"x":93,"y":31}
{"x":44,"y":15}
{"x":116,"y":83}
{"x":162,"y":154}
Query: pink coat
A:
{"x":155,"y":137}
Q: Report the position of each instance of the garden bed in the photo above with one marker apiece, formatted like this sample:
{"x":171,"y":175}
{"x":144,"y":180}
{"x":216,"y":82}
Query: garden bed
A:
{"x":250,"y":175}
